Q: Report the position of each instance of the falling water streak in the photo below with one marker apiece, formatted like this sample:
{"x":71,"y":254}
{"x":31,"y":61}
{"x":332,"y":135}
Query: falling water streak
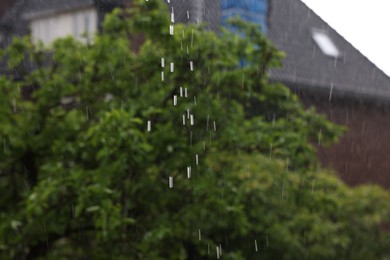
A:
{"x":14,"y":105}
{"x":172,"y":16}
{"x":217,"y":248}
{"x":162,"y":62}
{"x":191,"y":66}
{"x":189,"y":172}
{"x":171,"y":29}
{"x":162,"y":75}
{"x":170,"y":182}
{"x":181,"y":92}
{"x":172,"y":67}
{"x":188,"y":113}
{"x":200,"y":235}
{"x":330,"y":93}
{"x":192,"y":38}
{"x":185,"y":92}
{"x":184,"y":119}
{"x":191,"y":119}
{"x":215,"y":126}
{"x":149,"y":126}
{"x":188,"y":15}
{"x":256,"y":249}
{"x":287,"y":164}
{"x":174,"y":100}
{"x":197,"y":159}
{"x":319,"y":137}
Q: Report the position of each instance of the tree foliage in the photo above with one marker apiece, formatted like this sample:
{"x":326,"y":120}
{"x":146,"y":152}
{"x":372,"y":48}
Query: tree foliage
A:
{"x":81,"y":175}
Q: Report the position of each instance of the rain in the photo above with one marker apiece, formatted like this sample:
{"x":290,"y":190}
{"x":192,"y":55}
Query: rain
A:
{"x":109,"y":112}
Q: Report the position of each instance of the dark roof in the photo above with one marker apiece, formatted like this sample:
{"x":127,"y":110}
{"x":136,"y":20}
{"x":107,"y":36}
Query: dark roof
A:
{"x":290,"y":28}
{"x":34,"y":8}
{"x":290,"y":24}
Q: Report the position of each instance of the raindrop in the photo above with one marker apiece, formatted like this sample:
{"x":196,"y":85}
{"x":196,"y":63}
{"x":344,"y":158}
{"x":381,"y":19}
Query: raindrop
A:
{"x":256,"y":249}
{"x":191,"y":66}
{"x":319,"y":137}
{"x":191,"y":119}
{"x":162,"y":75}
{"x":172,"y":16}
{"x":172,"y":66}
{"x":217,"y":248}
{"x":181,"y":92}
{"x":162,"y":62}
{"x":170,"y":182}
{"x":192,"y":38}
{"x":149,"y":126}
{"x":184,"y":119}
{"x":185,"y":92}
{"x":189,"y":172}
{"x":195,"y":101}
{"x":215,"y":126}
{"x":174,"y":100}
{"x":330,"y":93}
{"x":171,"y":29}
{"x":197,"y":159}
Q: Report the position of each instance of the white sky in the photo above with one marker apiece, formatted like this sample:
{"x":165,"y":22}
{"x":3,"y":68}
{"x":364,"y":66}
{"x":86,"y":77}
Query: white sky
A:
{"x":364,"y":23}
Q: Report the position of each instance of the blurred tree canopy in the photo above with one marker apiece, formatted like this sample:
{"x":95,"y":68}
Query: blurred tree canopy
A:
{"x":82,"y":176}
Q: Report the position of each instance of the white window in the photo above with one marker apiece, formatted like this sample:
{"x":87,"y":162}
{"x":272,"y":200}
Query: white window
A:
{"x":325,"y":43}
{"x":81,"y":24}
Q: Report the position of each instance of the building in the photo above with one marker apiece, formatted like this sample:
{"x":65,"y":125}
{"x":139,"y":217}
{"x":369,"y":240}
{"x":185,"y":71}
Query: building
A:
{"x":323,"y":68}
{"x":47,"y":20}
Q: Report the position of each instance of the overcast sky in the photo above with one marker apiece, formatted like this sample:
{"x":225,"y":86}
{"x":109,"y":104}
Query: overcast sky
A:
{"x":365,"y":24}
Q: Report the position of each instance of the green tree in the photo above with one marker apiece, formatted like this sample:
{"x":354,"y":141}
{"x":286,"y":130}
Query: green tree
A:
{"x":83,"y":174}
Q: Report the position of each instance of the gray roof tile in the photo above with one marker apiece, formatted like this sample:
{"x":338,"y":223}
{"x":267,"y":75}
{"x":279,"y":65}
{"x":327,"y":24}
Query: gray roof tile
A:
{"x":290,"y":25}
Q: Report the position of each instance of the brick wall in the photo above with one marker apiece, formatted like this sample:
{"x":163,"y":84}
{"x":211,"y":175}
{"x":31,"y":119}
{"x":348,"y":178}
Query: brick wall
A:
{"x":363,"y":153}
{"x":4,"y":5}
